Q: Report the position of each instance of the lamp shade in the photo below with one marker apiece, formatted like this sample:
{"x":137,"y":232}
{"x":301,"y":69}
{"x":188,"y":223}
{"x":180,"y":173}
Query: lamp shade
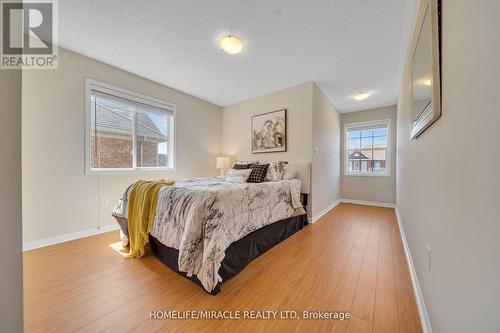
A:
{"x":222,"y":163}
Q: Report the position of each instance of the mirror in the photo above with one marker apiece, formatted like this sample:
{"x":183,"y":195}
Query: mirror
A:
{"x":424,"y":69}
{"x":421,"y":71}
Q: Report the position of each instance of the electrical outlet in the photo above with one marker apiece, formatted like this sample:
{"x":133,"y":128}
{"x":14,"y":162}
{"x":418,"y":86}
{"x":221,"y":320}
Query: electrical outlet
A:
{"x":104,"y":202}
{"x":429,"y":258}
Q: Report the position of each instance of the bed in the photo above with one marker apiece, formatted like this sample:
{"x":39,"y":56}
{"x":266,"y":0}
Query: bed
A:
{"x":208,"y":229}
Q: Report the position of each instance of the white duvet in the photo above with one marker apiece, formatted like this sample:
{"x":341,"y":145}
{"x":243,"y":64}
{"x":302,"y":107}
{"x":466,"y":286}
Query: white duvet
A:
{"x":201,"y":217}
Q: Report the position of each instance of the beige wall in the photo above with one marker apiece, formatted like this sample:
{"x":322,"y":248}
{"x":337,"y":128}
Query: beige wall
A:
{"x":11,"y":264}
{"x":370,"y":188}
{"x":326,"y":162}
{"x":58,"y":198}
{"x":308,"y":108}
{"x":447,"y":179}
{"x":236,"y":124}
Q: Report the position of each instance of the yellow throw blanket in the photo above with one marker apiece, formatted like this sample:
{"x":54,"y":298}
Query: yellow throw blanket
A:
{"x":141,"y":213}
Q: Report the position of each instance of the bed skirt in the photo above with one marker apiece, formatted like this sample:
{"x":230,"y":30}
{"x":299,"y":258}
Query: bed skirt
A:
{"x":240,"y":253}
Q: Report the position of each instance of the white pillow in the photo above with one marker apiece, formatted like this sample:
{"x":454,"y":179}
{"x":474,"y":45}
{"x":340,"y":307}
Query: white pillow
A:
{"x":292,"y":171}
{"x":238,"y":176}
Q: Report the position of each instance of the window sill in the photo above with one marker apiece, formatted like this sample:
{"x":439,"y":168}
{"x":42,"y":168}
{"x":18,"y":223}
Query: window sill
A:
{"x":126,"y":171}
{"x":386,"y":175}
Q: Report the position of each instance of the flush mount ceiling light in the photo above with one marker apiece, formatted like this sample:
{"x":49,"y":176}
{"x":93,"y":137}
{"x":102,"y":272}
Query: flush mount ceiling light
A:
{"x":231,"y":44}
{"x":360,"y":97}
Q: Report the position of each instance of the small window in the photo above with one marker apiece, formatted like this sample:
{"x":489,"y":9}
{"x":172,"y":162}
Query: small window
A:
{"x":367,"y":149}
{"x":127,"y":131}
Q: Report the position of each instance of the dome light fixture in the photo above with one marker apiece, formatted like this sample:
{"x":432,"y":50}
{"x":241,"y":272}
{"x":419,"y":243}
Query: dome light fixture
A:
{"x":231,"y":44}
{"x":360,"y":97}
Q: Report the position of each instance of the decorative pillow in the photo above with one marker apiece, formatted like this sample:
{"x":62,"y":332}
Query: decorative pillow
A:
{"x":291,"y":172}
{"x":276,"y":171}
{"x":238,"y":176}
{"x":245,"y":162}
{"x":258,"y":173}
{"x":242,"y":166}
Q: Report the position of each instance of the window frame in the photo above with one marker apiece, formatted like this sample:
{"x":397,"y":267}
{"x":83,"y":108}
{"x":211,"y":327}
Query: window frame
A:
{"x":368,"y":124}
{"x":112,"y":90}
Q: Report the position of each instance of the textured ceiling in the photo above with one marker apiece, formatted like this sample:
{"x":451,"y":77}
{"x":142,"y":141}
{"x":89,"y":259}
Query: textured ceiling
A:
{"x":347,"y":47}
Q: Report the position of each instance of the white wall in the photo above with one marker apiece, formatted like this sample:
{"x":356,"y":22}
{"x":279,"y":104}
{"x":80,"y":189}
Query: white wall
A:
{"x":373,"y":188}
{"x":447,"y":179}
{"x":326,"y":163}
{"x":58,"y":198}
{"x":236,"y":124}
{"x":11,"y":262}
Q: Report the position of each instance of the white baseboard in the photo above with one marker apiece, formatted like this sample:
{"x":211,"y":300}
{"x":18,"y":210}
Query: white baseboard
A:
{"x":68,"y":237}
{"x":324,"y":211}
{"x":368,"y":203}
{"x":422,"y":311}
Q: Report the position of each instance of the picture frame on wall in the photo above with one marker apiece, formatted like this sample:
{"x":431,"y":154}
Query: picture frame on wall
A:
{"x":269,"y":132}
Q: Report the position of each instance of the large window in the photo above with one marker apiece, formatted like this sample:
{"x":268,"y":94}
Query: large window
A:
{"x":367,"y":148}
{"x":127,"y":131}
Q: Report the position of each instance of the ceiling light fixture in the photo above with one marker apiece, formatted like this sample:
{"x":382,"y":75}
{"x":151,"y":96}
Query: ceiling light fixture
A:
{"x":428,"y":82}
{"x":360,"y":97}
{"x":231,"y":44}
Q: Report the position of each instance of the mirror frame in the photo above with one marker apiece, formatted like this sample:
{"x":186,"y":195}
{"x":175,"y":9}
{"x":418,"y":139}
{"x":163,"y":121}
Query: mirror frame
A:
{"x":430,"y":114}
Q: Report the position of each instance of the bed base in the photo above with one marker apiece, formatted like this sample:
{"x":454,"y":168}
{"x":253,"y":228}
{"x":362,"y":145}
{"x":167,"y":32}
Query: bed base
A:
{"x":240,"y":253}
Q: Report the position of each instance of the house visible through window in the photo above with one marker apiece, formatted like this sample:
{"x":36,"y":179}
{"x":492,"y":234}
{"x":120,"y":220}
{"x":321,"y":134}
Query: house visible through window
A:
{"x":127,"y":131}
{"x":366,"y":151}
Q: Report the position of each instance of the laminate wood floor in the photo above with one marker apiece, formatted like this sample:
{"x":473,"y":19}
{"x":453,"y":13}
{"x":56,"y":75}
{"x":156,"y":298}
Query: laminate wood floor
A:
{"x":352,"y":260}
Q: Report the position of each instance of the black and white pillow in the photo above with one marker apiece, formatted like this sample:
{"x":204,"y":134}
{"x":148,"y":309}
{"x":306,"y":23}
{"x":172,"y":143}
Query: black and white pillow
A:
{"x":242,"y":162}
{"x":276,"y":171}
{"x":238,"y":166}
{"x":238,"y":176}
{"x":258,"y":174}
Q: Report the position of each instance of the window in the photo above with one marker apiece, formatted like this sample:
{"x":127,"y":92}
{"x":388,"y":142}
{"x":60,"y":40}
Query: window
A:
{"x":367,"y":148}
{"x":126,"y":131}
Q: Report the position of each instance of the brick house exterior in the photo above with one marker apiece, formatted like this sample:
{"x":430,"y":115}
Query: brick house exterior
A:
{"x":112,"y":144}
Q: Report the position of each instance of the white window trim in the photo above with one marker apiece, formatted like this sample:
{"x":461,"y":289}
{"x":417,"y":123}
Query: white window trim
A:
{"x":90,"y":85}
{"x":387,"y":173}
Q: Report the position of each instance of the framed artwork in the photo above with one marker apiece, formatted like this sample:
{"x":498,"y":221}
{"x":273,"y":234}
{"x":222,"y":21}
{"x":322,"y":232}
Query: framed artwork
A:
{"x":269,"y":132}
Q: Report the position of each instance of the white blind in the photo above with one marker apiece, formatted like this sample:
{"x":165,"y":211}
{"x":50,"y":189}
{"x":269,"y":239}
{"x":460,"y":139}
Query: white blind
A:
{"x":128,"y":102}
{"x":364,"y":127}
